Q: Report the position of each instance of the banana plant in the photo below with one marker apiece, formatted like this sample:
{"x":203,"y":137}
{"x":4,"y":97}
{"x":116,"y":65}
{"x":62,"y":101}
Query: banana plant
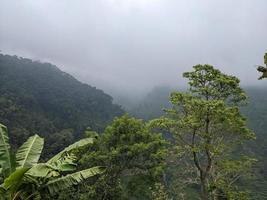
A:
{"x":24,"y":178}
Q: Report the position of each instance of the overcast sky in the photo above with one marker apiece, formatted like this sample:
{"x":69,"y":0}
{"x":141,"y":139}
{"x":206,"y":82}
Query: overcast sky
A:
{"x":135,"y":45}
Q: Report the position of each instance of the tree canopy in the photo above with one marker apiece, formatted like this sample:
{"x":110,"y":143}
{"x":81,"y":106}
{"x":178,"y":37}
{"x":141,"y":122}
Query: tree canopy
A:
{"x":207,"y":124}
{"x":134,"y":157}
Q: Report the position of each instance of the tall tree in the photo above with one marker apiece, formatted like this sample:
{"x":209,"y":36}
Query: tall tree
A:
{"x":207,"y":125}
{"x":134,"y":159}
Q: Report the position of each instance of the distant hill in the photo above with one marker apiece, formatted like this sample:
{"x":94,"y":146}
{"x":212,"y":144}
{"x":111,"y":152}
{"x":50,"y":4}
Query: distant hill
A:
{"x":39,"y":98}
{"x":152,"y":105}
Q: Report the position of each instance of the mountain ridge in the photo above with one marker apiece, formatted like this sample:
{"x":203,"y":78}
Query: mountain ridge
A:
{"x":39,"y":98}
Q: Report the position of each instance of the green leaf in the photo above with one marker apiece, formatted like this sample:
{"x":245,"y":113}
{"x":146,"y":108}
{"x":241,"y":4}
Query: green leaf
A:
{"x":46,"y":170}
{"x":43,"y":170}
{"x":5,"y":157}
{"x":29,"y":153}
{"x":72,"y":179}
{"x":66,"y":163}
{"x":13,"y":182}
{"x":80,"y":143}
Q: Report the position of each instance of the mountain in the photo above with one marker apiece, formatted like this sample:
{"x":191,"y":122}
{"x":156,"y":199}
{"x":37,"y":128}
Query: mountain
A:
{"x":152,"y":105}
{"x":39,"y":98}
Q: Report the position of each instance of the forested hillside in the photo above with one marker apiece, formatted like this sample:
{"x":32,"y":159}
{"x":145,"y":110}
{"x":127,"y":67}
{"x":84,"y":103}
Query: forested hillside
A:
{"x":256,"y":113}
{"x":151,"y":106}
{"x":39,"y":98}
{"x":200,"y":147}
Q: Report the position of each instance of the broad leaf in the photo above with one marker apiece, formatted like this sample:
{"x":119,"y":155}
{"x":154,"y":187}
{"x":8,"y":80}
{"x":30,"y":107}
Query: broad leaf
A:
{"x":66,"y":163}
{"x":64,"y":182}
{"x":29,"y":153}
{"x":43,"y":170}
{"x":80,"y":143}
{"x":5,"y":156}
{"x":13,"y":182}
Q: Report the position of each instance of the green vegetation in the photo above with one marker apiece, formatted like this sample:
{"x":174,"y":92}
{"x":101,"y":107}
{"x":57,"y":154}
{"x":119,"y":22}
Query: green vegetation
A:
{"x":24,"y":178}
{"x":207,"y":124}
{"x":39,"y":98}
{"x":133,"y":157}
{"x":256,"y":113}
{"x":198,"y":147}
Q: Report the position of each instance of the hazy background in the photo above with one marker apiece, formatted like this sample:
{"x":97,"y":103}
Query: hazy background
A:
{"x":130,"y":46}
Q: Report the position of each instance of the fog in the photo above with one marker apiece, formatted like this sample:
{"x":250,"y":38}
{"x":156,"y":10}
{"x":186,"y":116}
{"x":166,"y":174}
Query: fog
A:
{"x":131,"y":46}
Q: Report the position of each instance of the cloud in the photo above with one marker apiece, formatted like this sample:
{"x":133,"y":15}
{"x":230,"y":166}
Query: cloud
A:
{"x":133,"y":45}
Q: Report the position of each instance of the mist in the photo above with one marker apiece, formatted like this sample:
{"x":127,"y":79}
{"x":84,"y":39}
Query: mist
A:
{"x":132,"y":46}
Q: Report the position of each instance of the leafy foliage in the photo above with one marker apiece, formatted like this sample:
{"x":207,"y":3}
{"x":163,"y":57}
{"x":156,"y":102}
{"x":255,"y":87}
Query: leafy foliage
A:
{"x":29,"y":153}
{"x":67,"y":181}
{"x":5,"y":154}
{"x":256,"y":112}
{"x":207,"y":124}
{"x":76,"y":145}
{"x":133,"y":157}
{"x":33,"y":178}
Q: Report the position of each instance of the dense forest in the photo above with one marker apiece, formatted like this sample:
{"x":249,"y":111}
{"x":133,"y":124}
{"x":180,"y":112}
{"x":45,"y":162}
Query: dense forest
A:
{"x":39,"y":98}
{"x":63,"y":139}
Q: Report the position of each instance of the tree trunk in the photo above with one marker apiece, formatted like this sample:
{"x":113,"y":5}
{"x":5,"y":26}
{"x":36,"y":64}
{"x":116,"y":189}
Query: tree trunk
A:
{"x":204,"y":192}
